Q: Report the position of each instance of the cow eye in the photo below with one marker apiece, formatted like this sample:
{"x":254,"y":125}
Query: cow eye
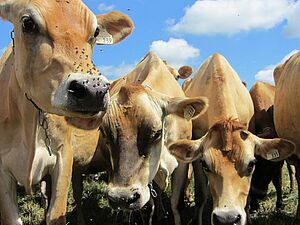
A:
{"x":97,"y":32}
{"x":250,"y":166}
{"x":205,"y":166}
{"x":28,"y":24}
{"x":157,"y":135}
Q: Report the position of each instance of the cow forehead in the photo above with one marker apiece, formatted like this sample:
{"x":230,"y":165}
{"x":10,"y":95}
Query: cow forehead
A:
{"x":65,"y":16}
{"x":239,"y":153}
{"x":134,"y":112}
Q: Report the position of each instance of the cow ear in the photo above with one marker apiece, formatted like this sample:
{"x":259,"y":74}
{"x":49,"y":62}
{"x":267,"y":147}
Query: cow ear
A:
{"x":187,"y":150}
{"x":276,"y":149}
{"x":114,"y":27}
{"x":185,"y":72}
{"x":188,"y":108}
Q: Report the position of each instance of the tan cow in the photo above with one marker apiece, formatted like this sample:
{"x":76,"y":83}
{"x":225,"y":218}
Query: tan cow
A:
{"x":286,"y":109}
{"x":228,"y":98}
{"x":227,"y":153}
{"x":137,"y":127}
{"x":48,"y":69}
{"x":134,"y":130}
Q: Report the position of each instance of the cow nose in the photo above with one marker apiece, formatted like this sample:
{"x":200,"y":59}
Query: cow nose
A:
{"x":83,"y":89}
{"x":122,"y":202}
{"x":134,"y":198}
{"x":78,"y":90}
{"x":116,"y":202}
{"x":226,"y":218}
{"x":88,"y":94}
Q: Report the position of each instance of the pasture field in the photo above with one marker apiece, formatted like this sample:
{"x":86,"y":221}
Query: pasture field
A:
{"x":97,"y":212}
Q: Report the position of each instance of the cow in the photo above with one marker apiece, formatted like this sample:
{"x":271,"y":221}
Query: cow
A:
{"x":286,"y":110}
{"x":227,"y":152}
{"x":48,"y":81}
{"x":265,"y":171}
{"x":137,"y":126}
{"x":141,"y":116}
{"x":228,"y":98}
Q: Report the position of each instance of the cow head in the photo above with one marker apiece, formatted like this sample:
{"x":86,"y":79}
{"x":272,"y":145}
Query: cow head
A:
{"x":133,"y":129}
{"x":227,"y":155}
{"x":53,"y":48}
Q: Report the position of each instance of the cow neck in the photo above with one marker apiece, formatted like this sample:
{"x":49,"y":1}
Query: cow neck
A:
{"x":22,"y":118}
{"x":42,"y":121}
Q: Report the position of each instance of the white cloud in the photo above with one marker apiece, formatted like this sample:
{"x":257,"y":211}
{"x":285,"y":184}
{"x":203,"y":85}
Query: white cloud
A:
{"x":102,"y":7}
{"x":266,"y":74}
{"x":292,"y":29}
{"x":175,"y":51}
{"x":206,"y":17}
{"x":113,"y":72}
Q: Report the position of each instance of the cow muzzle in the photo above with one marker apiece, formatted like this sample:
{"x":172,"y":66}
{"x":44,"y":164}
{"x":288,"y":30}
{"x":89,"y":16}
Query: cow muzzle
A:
{"x":127,"y":199}
{"x":228,"y":217}
{"x":83,"y":95}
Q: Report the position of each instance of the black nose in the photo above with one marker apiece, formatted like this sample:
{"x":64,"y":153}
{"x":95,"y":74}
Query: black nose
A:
{"x":134,"y":198}
{"x":78,"y":90}
{"x":122,"y":202}
{"x":83,"y":89}
{"x":226,"y":218}
{"x":88,"y":95}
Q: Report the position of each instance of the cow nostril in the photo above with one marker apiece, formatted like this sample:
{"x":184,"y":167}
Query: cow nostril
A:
{"x":237,"y":219}
{"x":134,"y":198}
{"x":77,"y":89}
{"x":230,"y":218}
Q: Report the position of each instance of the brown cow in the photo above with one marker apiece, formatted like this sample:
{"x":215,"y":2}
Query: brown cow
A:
{"x":286,"y":110}
{"x":139,"y":110}
{"x":47,"y":73}
{"x":227,"y":153}
{"x":228,"y":98}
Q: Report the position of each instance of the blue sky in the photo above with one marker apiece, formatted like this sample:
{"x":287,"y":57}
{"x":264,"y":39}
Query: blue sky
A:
{"x":254,"y":35}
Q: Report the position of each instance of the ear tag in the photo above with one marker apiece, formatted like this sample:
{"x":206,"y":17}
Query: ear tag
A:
{"x":104,"y":38}
{"x":189,"y":112}
{"x":273,"y":154}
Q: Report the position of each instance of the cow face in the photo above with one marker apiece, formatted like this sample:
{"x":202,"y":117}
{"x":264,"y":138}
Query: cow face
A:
{"x":227,"y":154}
{"x":52,"y":51}
{"x":133,"y":129}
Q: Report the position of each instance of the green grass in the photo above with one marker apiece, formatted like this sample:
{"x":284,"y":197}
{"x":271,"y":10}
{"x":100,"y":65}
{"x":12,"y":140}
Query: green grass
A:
{"x":97,"y":212}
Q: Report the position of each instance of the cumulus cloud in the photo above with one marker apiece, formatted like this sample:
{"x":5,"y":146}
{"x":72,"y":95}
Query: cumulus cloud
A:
{"x":176,"y":52}
{"x":292,"y":29}
{"x":207,"y":17}
{"x":102,"y":7}
{"x":266,"y":74}
{"x":114,"y":72}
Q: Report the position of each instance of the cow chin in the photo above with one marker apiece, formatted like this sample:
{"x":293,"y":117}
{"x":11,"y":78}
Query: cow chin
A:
{"x":130,"y":199}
